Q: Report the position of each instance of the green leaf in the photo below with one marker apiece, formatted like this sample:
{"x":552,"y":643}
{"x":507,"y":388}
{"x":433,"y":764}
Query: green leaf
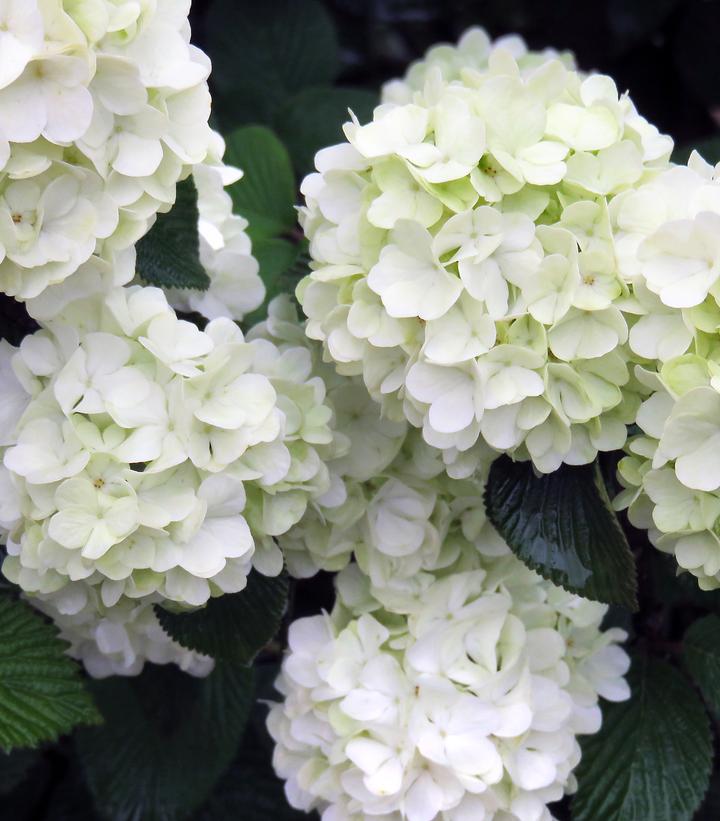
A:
{"x":653,"y":756}
{"x":169,"y":254}
{"x":314,"y":117}
{"x":701,"y":653}
{"x":168,"y":738}
{"x":265,"y":195}
{"x":250,"y":791}
{"x":275,"y":257}
{"x":263,"y":52}
{"x":42,"y":694}
{"x":562,"y":525}
{"x":235,"y":626}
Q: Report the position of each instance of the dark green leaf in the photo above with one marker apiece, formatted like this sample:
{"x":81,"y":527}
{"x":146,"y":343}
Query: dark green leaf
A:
{"x":701,"y":652}
{"x":42,"y":694}
{"x":168,"y":739}
{"x":263,"y":52}
{"x":653,"y":755}
{"x":250,"y":791}
{"x":265,"y":195}
{"x":313,"y":119}
{"x":169,"y":254}
{"x":562,"y":525}
{"x":275,"y":257}
{"x":235,"y":626}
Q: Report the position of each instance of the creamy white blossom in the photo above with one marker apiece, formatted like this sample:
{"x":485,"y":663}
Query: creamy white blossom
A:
{"x":104,"y":107}
{"x":466,"y":704}
{"x":463,"y":253}
{"x":667,"y":249}
{"x":149,"y":458}
{"x":115,"y":640}
{"x":672,"y":484}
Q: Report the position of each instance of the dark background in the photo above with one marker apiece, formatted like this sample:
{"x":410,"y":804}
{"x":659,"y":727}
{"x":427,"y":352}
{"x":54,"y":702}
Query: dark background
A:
{"x":666,"y":53}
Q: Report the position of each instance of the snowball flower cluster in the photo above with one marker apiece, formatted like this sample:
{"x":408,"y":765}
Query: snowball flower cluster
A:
{"x":148,"y":458}
{"x":463,"y":255}
{"x":225,"y":248}
{"x":103,"y":107}
{"x":115,"y":640}
{"x":466,"y":707}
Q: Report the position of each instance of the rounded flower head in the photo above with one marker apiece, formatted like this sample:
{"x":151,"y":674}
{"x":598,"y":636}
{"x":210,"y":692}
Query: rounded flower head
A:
{"x":463,"y":257}
{"x":467,"y":705}
{"x":104,"y":106}
{"x":147,"y":457}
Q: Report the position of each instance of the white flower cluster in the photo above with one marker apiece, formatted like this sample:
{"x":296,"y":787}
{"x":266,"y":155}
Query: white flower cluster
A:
{"x":463,"y":255}
{"x":115,"y":640}
{"x":669,"y":240}
{"x":225,"y":248}
{"x":104,"y":106}
{"x":149,"y":459}
{"x":466,"y":707}
{"x":450,"y":681}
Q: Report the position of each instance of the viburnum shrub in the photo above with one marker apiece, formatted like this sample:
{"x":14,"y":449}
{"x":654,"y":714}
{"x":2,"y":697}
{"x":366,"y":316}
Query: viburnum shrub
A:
{"x":362,"y":479}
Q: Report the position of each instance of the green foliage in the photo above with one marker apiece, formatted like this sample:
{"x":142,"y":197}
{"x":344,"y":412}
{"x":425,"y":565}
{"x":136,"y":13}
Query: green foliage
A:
{"x":234,"y":627}
{"x":264,"y":52}
{"x":701,"y":648}
{"x":41,"y":694}
{"x":265,"y":195}
{"x":250,"y":791}
{"x":653,"y":756}
{"x":313,"y":119}
{"x":169,"y":254}
{"x":167,"y":740}
{"x":562,"y":525}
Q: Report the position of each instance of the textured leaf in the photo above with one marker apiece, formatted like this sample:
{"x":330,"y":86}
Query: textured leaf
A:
{"x":263,"y":52}
{"x":653,"y":755}
{"x":701,"y":652}
{"x":235,"y":626}
{"x":562,"y":525}
{"x":250,"y":791}
{"x":168,"y":738}
{"x":314,"y":117}
{"x":42,"y":694}
{"x":265,"y":195}
{"x":169,"y":254}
